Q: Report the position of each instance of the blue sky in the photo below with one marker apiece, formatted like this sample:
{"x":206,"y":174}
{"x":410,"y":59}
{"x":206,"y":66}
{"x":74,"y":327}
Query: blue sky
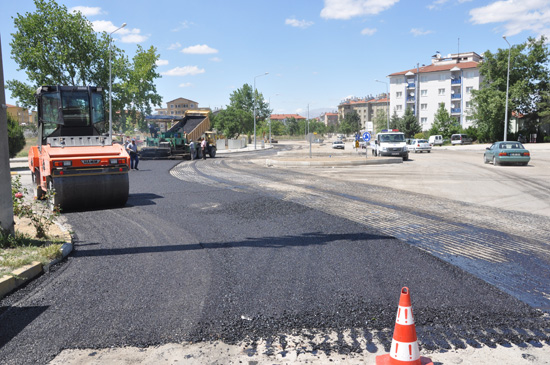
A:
{"x":317,"y":52}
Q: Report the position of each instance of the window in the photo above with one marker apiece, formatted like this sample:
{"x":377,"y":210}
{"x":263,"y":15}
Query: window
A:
{"x":424,"y":92}
{"x":399,"y":94}
{"x":423,"y":106}
{"x":443,"y":77}
{"x":172,"y":106}
{"x":469,"y":74}
{"x":423,"y":120}
{"x":399,"y":107}
{"x":441,"y":92}
{"x":423,"y":78}
{"x":469,"y":89}
{"x":468,"y":104}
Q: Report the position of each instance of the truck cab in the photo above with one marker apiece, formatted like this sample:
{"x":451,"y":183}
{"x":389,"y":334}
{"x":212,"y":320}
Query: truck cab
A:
{"x":391,"y":142}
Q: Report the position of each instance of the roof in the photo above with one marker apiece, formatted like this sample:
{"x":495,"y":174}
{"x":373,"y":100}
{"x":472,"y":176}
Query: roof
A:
{"x":285,"y":116}
{"x":162,"y":117}
{"x":171,"y":101}
{"x":436,"y":68}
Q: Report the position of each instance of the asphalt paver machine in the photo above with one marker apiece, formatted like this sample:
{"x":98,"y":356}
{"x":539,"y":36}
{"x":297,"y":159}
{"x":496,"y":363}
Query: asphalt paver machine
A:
{"x":74,"y":158}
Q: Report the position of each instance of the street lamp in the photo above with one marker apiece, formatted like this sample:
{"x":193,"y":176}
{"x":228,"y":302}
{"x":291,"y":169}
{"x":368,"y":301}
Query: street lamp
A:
{"x":254,"y":96}
{"x":507,"y":84}
{"x":387,"y":97}
{"x":110,"y":99}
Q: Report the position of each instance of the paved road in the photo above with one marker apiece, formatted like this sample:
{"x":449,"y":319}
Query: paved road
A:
{"x":228,"y":249}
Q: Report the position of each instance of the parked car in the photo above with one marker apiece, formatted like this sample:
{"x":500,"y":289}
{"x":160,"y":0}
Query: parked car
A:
{"x":436,"y":140}
{"x":509,"y":152}
{"x":273,"y":140}
{"x":419,"y":145}
{"x":460,"y":139}
{"x":338,"y":144}
{"x":318,"y":140}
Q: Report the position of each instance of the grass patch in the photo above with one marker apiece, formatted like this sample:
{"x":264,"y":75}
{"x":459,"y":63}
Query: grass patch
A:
{"x":20,"y":250}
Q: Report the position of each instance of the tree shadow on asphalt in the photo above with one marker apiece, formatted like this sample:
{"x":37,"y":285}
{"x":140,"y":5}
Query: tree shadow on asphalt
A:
{"x":15,"y":319}
{"x":309,"y":239}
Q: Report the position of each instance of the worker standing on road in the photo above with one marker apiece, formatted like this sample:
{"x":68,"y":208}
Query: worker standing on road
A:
{"x":134,"y":158}
{"x":203,"y":148}
{"x":192,"y":150}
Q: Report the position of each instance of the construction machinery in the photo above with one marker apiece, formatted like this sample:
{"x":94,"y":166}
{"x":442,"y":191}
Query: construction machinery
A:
{"x":73,"y":159}
{"x":171,"y":136}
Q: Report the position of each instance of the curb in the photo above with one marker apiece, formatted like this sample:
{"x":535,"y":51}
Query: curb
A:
{"x":9,"y":283}
{"x":372,"y":161}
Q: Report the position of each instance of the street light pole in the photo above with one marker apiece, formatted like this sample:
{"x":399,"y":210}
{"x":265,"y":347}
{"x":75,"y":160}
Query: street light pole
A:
{"x":110,"y":98}
{"x":254,"y":96}
{"x":507,"y":85}
{"x":388,"y":98}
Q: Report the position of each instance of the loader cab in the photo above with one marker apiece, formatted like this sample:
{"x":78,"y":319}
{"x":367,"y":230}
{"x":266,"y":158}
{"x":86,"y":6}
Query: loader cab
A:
{"x":67,"y":111}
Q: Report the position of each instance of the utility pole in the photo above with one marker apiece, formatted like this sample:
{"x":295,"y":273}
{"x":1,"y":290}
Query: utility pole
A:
{"x":6,"y":203}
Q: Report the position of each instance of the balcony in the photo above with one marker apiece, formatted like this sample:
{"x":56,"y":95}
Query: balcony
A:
{"x":455,"y":110}
{"x":410,"y":99}
{"x":456,"y":81}
{"x":456,"y":96}
{"x":411,"y":85}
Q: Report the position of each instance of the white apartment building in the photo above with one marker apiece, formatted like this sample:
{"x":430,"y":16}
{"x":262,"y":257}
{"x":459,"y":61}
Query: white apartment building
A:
{"x":448,"y":80}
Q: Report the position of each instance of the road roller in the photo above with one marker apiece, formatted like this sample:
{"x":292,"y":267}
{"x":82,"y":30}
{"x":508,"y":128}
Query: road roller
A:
{"x":75,"y":159}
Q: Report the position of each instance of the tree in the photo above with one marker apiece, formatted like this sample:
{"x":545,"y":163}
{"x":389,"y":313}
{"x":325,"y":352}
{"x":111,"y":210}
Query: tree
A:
{"x":395,"y":121}
{"x":16,"y":138}
{"x":277,"y":128}
{"x":529,"y":82}
{"x":444,"y":124}
{"x":243,"y":99}
{"x":380,"y":121}
{"x":409,"y":124}
{"x":232,"y":121}
{"x":351,"y":123}
{"x":293,"y":128}
{"x":55,"y":47}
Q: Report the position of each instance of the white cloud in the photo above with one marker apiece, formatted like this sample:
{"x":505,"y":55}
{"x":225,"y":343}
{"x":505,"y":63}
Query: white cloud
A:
{"x":515,"y":16}
{"x":86,"y":10}
{"x":184,"y":71}
{"x":368,"y":31}
{"x":419,"y":31}
{"x":174,"y":46}
{"x":298,"y":23}
{"x":199,"y":49}
{"x":346,"y":9}
{"x":183,"y":25}
{"x":128,"y":35}
{"x":162,"y":62}
{"x":186,"y":84}
{"x":437,"y":4}
{"x":216,"y":59}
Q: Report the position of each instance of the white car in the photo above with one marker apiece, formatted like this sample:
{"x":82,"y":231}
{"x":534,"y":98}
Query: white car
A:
{"x":420,"y":145}
{"x":338,"y":144}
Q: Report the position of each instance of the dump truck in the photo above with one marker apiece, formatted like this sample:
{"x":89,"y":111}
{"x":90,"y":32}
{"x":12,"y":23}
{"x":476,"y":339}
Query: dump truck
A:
{"x":74,"y":159}
{"x":171,"y":136}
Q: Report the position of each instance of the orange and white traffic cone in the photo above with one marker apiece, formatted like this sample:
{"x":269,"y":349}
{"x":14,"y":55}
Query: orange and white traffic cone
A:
{"x":404,"y":344}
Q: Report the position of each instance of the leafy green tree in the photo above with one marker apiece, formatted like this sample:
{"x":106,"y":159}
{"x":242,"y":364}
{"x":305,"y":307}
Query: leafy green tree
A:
{"x":409,"y":124}
{"x":292,"y":126}
{"x":380,"y":121}
{"x":243,"y":99}
{"x":277,"y":128}
{"x":529,"y":82}
{"x":16,"y":138}
{"x":395,"y":121}
{"x":55,"y":47}
{"x":232,"y":121}
{"x":444,"y":124}
{"x":351,"y":123}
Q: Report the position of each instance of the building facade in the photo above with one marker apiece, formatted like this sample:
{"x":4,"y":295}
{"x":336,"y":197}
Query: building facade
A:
{"x":367,"y":108}
{"x":329,"y":119}
{"x":284,"y":117}
{"x":22,"y":115}
{"x":448,"y":81}
{"x":177,"y":107}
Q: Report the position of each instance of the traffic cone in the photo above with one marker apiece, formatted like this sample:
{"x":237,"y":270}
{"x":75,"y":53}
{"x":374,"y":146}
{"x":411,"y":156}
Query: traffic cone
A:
{"x":404,"y":344}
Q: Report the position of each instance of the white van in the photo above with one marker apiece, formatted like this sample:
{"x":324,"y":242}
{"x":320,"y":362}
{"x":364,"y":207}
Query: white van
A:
{"x":436,"y":140}
{"x":460,"y":139}
{"x":391,"y":142}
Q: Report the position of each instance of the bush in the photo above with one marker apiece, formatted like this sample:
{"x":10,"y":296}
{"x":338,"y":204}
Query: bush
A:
{"x":546,"y":138}
{"x":421,"y":135}
{"x":16,"y":138}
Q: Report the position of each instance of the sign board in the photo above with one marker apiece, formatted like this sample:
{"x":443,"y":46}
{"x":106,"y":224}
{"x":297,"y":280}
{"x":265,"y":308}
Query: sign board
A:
{"x":310,"y":137}
{"x":370,"y":126}
{"x":366,"y":136}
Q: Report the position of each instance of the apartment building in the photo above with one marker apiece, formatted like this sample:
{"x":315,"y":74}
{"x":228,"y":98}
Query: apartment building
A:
{"x":20,"y":114}
{"x":448,"y":81}
{"x":177,"y":107}
{"x":329,"y":119}
{"x":367,"y":108}
{"x":284,"y":117}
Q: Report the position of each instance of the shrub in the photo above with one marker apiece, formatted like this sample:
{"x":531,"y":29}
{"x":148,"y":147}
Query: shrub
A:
{"x":16,"y":138}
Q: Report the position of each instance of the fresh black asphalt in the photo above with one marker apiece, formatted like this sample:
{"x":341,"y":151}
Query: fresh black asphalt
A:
{"x":189,"y":262}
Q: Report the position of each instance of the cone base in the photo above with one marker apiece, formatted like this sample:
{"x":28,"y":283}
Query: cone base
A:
{"x":388,"y":360}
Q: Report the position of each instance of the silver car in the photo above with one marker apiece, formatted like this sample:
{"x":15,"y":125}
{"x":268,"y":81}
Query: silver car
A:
{"x":420,"y":145}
